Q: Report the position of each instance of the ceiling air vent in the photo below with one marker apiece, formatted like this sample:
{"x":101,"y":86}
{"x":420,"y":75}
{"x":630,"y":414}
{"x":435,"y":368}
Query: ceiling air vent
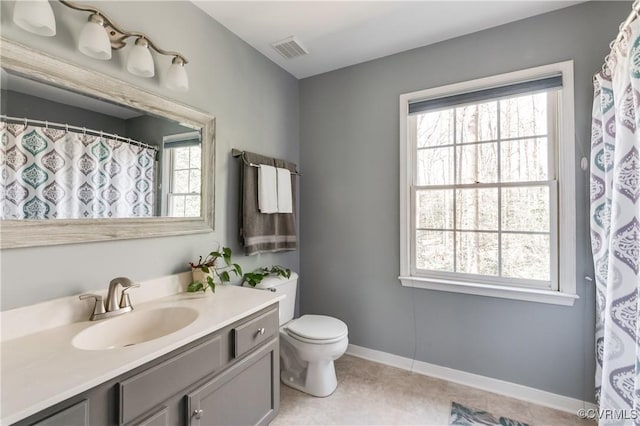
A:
{"x":289,"y":47}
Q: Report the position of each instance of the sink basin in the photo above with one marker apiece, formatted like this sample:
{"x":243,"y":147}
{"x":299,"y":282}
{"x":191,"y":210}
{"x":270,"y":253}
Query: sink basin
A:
{"x":133,"y":328}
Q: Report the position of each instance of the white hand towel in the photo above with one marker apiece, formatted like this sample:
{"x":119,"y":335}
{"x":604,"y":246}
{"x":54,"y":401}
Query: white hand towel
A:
{"x":267,"y":189}
{"x":285,"y":201}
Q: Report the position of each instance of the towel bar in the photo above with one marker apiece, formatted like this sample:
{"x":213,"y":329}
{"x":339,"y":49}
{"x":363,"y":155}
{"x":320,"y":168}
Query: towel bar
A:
{"x":237,"y":153}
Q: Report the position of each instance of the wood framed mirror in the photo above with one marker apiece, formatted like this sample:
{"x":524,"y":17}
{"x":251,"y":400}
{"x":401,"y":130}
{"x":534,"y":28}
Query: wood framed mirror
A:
{"x":148,"y":172}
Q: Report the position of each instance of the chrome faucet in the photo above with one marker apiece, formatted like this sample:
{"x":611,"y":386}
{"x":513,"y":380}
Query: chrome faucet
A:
{"x":112,"y":308}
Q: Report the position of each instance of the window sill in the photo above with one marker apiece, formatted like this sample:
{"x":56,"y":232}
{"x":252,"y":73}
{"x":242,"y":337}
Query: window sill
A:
{"x":517,"y":293}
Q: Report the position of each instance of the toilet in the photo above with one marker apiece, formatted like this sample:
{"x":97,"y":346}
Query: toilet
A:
{"x":309,"y":344}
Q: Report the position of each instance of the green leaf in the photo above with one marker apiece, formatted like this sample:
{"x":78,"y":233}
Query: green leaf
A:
{"x":237,"y":269}
{"x":212,"y":284}
{"x":281,"y":271}
{"x":253,"y":278}
{"x":224,"y":276}
{"x":205,"y":269}
{"x":226,"y":253}
{"x":195,"y":286}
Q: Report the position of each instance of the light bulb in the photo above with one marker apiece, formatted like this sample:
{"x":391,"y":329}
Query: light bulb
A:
{"x":177,"y":78}
{"x":140,"y":61}
{"x":35,"y":16}
{"x":94,"y":40}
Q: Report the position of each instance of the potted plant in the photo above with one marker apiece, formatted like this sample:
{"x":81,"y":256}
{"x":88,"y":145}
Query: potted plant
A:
{"x":255,"y":277}
{"x":205,"y":271}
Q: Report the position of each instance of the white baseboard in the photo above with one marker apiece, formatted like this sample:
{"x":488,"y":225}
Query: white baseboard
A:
{"x":513,"y":390}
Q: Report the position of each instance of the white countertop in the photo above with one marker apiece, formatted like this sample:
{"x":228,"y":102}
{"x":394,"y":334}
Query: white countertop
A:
{"x":43,"y":368}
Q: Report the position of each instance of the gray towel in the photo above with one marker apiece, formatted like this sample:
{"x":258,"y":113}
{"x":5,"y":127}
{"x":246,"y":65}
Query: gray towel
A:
{"x":265,"y":232}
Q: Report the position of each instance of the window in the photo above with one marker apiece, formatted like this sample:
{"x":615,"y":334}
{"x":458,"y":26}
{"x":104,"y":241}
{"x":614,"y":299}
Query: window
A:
{"x":183,"y":167}
{"x":487,"y":202}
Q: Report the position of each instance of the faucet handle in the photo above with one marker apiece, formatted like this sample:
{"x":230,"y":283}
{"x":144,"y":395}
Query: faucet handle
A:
{"x":125,"y":301}
{"x":98,"y":308}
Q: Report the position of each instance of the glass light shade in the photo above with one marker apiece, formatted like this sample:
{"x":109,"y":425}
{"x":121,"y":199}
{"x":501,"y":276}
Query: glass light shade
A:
{"x":177,"y":78}
{"x":94,"y":41}
{"x":140,"y":61}
{"x":35,"y":16}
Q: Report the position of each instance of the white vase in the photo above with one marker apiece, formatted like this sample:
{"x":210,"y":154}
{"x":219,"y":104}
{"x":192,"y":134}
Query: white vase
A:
{"x":198,"y":274}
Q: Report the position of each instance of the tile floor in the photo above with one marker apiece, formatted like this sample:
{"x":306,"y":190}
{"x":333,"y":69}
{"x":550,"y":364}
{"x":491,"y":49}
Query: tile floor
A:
{"x":374,"y":394}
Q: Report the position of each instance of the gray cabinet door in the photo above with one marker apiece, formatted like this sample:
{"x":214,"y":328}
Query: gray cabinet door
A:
{"x":245,"y":394}
{"x":76,"y":415}
{"x":159,"y":418}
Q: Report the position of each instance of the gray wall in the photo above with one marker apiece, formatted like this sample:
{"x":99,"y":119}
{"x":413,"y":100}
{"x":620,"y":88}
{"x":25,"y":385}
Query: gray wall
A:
{"x":17,"y":104}
{"x":146,"y":128}
{"x":256,"y":108}
{"x":151,"y":129}
{"x":350,"y":213}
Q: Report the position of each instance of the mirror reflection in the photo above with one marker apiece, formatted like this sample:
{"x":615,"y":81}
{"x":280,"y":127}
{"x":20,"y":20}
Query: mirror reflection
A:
{"x":65,"y":155}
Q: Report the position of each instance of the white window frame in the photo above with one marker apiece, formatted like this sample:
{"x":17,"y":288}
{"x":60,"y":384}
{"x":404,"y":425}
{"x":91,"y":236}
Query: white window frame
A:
{"x":168,"y":171}
{"x":565,"y":252}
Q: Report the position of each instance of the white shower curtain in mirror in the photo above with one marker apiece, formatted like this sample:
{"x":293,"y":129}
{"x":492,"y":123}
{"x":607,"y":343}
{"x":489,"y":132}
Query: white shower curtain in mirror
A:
{"x":51,"y":173}
{"x":615,"y":231}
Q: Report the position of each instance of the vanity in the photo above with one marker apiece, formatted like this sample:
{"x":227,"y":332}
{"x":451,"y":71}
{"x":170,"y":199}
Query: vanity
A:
{"x":177,"y":358}
{"x":222,"y":368}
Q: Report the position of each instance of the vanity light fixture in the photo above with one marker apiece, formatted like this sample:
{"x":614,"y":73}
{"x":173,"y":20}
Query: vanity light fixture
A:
{"x":100,"y":36}
{"x":35,"y":16}
{"x":94,"y":40}
{"x":177,"y":78}
{"x":140,"y":61}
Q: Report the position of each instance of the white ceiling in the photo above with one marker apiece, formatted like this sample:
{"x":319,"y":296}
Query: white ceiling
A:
{"x":342,"y":33}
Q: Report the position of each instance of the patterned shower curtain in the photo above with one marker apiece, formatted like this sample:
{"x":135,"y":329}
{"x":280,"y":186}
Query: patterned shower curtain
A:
{"x":59,"y":174}
{"x":615,"y":230}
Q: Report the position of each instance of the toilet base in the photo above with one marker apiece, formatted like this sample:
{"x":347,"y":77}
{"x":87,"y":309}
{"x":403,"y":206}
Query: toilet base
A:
{"x":309,"y":367}
{"x":318,"y":379}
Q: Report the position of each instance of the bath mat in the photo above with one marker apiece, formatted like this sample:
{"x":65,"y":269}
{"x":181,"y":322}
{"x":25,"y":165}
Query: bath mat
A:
{"x":465,"y":416}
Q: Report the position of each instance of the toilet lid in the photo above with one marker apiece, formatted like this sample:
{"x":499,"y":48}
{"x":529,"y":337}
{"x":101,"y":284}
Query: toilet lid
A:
{"x":317,"y":327}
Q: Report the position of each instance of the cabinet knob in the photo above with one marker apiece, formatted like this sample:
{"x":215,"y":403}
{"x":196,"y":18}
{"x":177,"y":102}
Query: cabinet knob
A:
{"x":261,"y":330}
{"x":198,"y":414}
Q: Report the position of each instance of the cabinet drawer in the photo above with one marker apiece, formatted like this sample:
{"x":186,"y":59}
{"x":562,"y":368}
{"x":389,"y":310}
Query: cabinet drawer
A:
{"x":143,"y":391}
{"x":255,"y":331}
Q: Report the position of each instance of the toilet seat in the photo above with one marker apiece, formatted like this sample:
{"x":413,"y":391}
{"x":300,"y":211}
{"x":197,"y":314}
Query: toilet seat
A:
{"x":317,"y":329}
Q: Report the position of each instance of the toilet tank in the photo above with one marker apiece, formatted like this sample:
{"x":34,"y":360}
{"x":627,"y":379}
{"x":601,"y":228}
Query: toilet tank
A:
{"x":285,"y":286}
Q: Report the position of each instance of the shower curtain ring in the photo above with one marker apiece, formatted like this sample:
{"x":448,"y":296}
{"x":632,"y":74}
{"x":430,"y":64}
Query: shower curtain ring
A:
{"x":46,"y":124}
{"x":66,"y":127}
{"x":25,"y":122}
{"x":84,"y":131}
